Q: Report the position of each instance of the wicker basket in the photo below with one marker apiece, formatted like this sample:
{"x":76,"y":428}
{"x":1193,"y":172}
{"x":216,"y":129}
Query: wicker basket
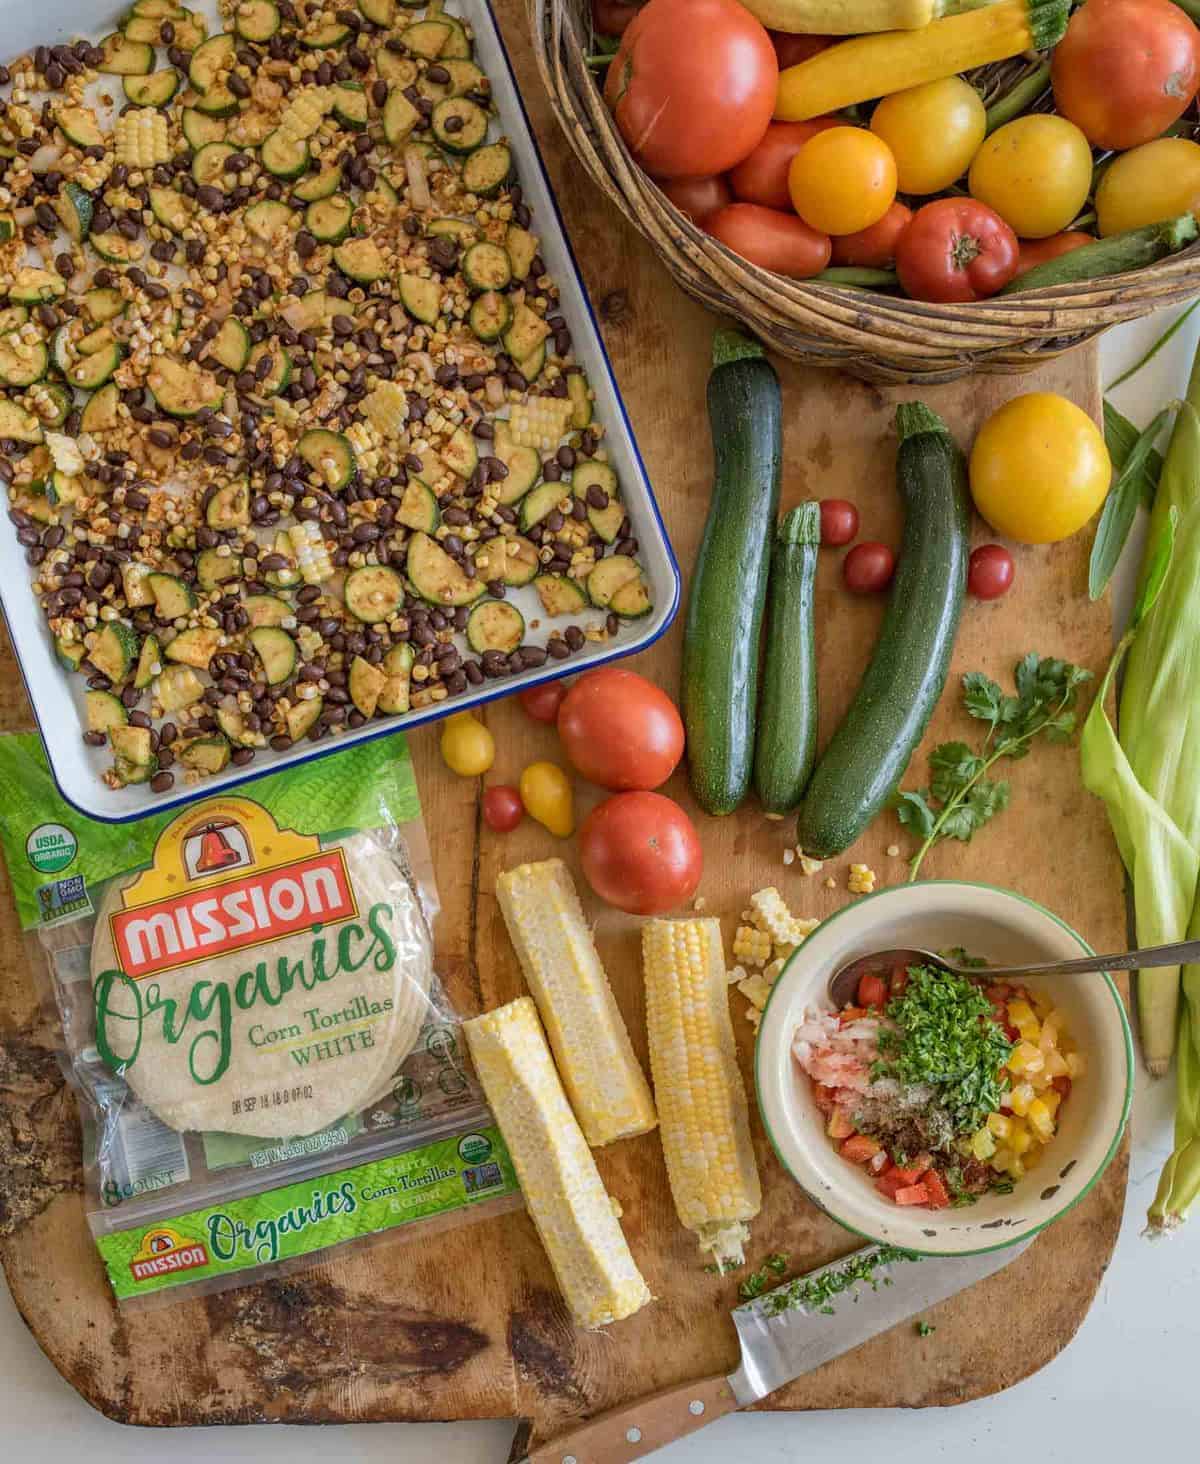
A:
{"x":878,"y":337}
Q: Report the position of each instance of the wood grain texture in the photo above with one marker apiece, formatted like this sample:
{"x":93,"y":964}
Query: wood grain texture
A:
{"x":469,"y":1325}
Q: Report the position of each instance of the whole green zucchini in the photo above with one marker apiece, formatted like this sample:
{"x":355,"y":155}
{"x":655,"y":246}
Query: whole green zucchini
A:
{"x":866,"y":757}
{"x":786,"y":742}
{"x":729,"y":582}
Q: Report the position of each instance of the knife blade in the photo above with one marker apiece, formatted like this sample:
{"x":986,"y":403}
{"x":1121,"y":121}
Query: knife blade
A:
{"x":782,"y":1334}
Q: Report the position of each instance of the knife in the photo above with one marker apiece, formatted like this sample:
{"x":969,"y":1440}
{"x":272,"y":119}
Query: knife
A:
{"x":783,"y":1334}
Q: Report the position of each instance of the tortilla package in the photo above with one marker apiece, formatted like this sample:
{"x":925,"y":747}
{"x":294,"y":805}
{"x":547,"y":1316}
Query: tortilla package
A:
{"x":265,"y":1061}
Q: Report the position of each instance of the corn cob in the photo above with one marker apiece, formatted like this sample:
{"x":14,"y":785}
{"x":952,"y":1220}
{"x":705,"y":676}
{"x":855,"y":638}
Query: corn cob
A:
{"x":607,"y":1088}
{"x":752,"y":945}
{"x":140,"y":138}
{"x":540,"y":422}
{"x":386,"y":408}
{"x":698,"y":1087}
{"x":312,"y":557}
{"x":304,"y":114}
{"x":574,"y":1215}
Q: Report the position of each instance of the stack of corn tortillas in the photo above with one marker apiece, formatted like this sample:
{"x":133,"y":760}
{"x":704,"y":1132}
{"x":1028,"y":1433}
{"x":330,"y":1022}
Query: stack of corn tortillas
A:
{"x":321,"y":1052}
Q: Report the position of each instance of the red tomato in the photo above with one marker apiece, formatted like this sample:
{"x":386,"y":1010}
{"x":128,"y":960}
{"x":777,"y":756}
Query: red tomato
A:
{"x":990,"y":571}
{"x":620,"y":730}
{"x":914,"y":1170}
{"x":872,"y":992}
{"x":839,"y":521}
{"x":858,"y":1148}
{"x":935,"y":1186}
{"x":956,"y":250}
{"x":1038,"y":251}
{"x":868,"y":568}
{"x":1125,"y":70}
{"x":611,"y":17}
{"x":762,"y":177}
{"x":542,"y":702}
{"x":502,"y":808}
{"x":1062,"y":1085}
{"x":692,"y":86}
{"x":873,"y":248}
{"x":771,"y":239}
{"x":641,"y":853}
{"x":825,"y":1097}
{"x":699,"y":198}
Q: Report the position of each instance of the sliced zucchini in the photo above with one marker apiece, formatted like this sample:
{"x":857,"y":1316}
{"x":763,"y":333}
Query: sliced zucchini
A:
{"x":142,"y":28}
{"x":229,"y":507}
{"x":301,"y":716}
{"x":195,"y":647}
{"x":520,"y":565}
{"x":281,"y":367}
{"x":438,"y":578}
{"x":460,"y":454}
{"x":465,"y":76}
{"x":560,"y":595}
{"x":33,"y":286}
{"x":329,"y":218}
{"x":125,"y":58}
{"x":63,"y":403}
{"x":313,"y":311}
{"x":531,"y":366}
{"x":269,"y":220}
{"x":267,"y":610}
{"x":373,"y":593}
{"x":608,"y":577}
{"x":172,"y":597}
{"x":100,"y":410}
{"x":426,"y":38}
{"x":359,"y":259}
{"x":231,"y":344}
{"x":326,"y":37}
{"x":154,"y":90}
{"x":256,"y":20}
{"x":459,"y":125}
{"x":18,"y":424}
{"x":488,"y":168}
{"x":527,"y":331}
{"x":632,"y":599}
{"x":593,"y":474}
{"x":135,"y":582}
{"x":149,"y":663}
{"x":190,"y":31}
{"x":217,"y":101}
{"x":399,"y":116}
{"x":397,"y":667}
{"x":207,"y":754}
{"x":462,"y":231}
{"x":607,"y":521}
{"x":457,"y":46}
{"x":325,"y":181}
{"x":495,"y":625}
{"x":158,"y":9}
{"x":580,"y":396}
{"x":283,"y":579}
{"x":365,"y":684}
{"x":114,"y":651}
{"x":234,"y":727}
{"x":522,"y":248}
{"x":114,"y":248}
{"x":276,"y":650}
{"x":199,"y":128}
{"x":22,"y":362}
{"x":69,"y":654}
{"x":350,"y":105}
{"x":104,"y":711}
{"x":490,"y":316}
{"x":379,"y":12}
{"x":92,"y":371}
{"x":170,"y":208}
{"x":132,"y":748}
{"x":8,"y":222}
{"x":539,"y":502}
{"x":208,"y":165}
{"x":182,"y":391}
{"x":211,"y":60}
{"x":213,"y":569}
{"x":400,"y":69}
{"x":523,"y":466}
{"x":330,"y":454}
{"x":74,"y":207}
{"x":284,"y":156}
{"x":177,"y":687}
{"x":486,"y":267}
{"x":12,"y":317}
{"x":421,"y":297}
{"x":419,"y":508}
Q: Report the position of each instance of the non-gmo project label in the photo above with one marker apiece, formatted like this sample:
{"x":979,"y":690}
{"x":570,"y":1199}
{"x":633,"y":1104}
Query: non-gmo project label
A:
{"x":51,"y":847}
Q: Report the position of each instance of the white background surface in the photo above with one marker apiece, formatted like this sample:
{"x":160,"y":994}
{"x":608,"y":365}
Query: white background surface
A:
{"x":1128,"y":1383}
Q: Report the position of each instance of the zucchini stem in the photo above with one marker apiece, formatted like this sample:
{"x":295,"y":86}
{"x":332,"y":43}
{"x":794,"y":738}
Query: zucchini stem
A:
{"x":802,"y":525}
{"x":731,"y":345}
{"x":913,"y":418}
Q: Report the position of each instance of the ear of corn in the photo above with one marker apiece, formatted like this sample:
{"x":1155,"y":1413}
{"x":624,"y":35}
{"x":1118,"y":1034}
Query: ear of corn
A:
{"x":607,"y":1088}
{"x":540,"y":422}
{"x":702,"y":1108}
{"x":140,"y":138}
{"x":386,"y":408}
{"x":870,"y":66}
{"x":565,"y":1195}
{"x":304,"y":114}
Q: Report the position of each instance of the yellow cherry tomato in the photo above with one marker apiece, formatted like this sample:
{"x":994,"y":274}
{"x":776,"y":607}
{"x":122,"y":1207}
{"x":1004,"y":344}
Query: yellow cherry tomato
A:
{"x":1159,"y":180}
{"x":842,"y":180}
{"x":1039,"y":468}
{"x":933,"y":131}
{"x":546,"y":793}
{"x":1035,"y":172}
{"x":468,"y":748}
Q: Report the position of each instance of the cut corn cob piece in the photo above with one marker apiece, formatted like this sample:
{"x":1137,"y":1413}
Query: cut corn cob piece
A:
{"x":574,"y":1215}
{"x":770,"y":913}
{"x":140,"y":138}
{"x":312,"y":557}
{"x":386,"y":408}
{"x":607,"y":1088}
{"x":304,"y":114}
{"x":756,"y":989}
{"x":752,"y":945}
{"x":702,"y":1107}
{"x":861,"y":880}
{"x":540,"y":422}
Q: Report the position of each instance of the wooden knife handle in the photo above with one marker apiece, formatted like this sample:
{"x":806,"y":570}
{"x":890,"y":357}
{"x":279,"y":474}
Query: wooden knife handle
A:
{"x":636,"y":1429}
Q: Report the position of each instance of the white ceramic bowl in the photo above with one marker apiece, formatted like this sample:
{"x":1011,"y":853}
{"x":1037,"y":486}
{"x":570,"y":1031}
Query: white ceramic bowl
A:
{"x":1002,"y":927}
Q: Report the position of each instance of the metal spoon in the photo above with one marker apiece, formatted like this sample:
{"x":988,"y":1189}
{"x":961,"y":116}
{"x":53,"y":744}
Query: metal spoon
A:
{"x":843,"y":984}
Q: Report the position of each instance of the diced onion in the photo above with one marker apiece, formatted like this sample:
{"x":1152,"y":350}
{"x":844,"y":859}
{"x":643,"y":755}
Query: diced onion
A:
{"x":418,"y":184}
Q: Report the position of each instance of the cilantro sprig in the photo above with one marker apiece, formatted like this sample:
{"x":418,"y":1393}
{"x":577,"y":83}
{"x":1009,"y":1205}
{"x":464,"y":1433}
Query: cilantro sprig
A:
{"x":961,"y":796}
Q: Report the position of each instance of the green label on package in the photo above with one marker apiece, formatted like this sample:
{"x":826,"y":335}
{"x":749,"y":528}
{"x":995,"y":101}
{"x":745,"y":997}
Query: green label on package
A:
{"x":297,"y":1219}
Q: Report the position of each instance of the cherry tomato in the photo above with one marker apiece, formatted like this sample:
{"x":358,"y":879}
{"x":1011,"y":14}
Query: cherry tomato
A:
{"x":839,"y":521}
{"x":692,"y":86}
{"x":933,"y":130}
{"x":699,"y":198}
{"x":620,"y":730}
{"x":502,"y":808}
{"x":1038,"y":251}
{"x":990,"y":572}
{"x":1036,"y":172}
{"x":771,"y":239}
{"x":873,"y":248}
{"x":955,"y":250}
{"x":791,"y":49}
{"x":872,"y":990}
{"x":468,"y":748}
{"x":548,"y":797}
{"x":868,"y":568}
{"x":762,"y":177}
{"x":641,"y":853}
{"x":542,"y":702}
{"x":1125,"y":70}
{"x":611,"y":17}
{"x":1159,"y":180}
{"x":842,"y":180}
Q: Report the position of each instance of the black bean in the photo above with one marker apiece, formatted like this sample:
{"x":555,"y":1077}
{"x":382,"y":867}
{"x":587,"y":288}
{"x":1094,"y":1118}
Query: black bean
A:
{"x":240,"y":87}
{"x":281,"y":743}
{"x":162,"y":782}
{"x":139,"y":719}
{"x":95,"y":739}
{"x":242,"y":755}
{"x":596,"y":496}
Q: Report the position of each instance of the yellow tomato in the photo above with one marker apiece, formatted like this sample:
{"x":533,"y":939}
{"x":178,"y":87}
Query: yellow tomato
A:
{"x":842,"y":180}
{"x":1035,"y":172}
{"x":546,"y":793}
{"x":933,"y":131}
{"x":1156,"y":181}
{"x":1039,"y":468}
{"x":468,"y":748}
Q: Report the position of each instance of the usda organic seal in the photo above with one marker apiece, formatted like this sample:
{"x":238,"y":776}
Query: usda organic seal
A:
{"x":51,"y":847}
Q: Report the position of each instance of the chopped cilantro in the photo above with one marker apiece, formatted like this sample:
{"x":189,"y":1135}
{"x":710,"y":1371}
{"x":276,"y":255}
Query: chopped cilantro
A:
{"x":758,"y":1281}
{"x":816,"y":1293}
{"x":924,"y":1329}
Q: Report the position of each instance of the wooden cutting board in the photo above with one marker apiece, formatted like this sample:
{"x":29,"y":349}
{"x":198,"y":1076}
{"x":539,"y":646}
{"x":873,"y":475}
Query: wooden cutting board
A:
{"x":470,"y":1325}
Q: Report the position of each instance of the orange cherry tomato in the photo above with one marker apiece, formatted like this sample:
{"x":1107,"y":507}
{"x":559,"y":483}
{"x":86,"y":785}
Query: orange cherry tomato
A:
{"x":873,"y":248}
{"x":771,"y":239}
{"x":699,"y":198}
{"x":620,"y":730}
{"x":763,"y":176}
{"x":842,"y":180}
{"x":1038,"y":251}
{"x":641,"y":853}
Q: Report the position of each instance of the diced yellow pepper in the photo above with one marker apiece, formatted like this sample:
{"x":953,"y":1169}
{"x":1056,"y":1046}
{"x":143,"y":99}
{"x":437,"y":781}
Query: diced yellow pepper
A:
{"x":983,"y":1146}
{"x":1041,"y":1120}
{"x":1021,"y":1015}
{"x":1020,"y":1098}
{"x":1000,"y":1124}
{"x":1026,"y":1058}
{"x":1020,"y":1139}
{"x":1052,"y":1098}
{"x":1056,"y":1065}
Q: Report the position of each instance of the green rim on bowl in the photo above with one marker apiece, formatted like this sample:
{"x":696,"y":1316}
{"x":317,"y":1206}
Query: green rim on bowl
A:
{"x":1127,"y":1035}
